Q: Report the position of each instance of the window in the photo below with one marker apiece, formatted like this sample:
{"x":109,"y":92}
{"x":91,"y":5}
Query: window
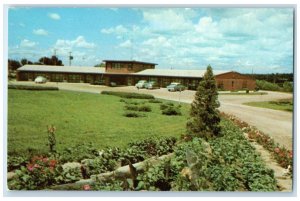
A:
{"x":57,"y":77}
{"x":74,"y":78}
{"x":116,"y":65}
{"x":129,"y":66}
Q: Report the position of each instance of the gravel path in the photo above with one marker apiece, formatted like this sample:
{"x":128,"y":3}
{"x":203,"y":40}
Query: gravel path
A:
{"x":277,"y":124}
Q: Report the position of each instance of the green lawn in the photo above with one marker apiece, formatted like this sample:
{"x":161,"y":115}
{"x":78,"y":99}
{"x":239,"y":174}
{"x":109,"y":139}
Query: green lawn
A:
{"x":81,"y":118}
{"x":285,"y":105}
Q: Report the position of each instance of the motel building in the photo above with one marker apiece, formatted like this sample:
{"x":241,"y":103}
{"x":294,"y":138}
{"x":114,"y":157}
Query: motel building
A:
{"x":128,"y":73}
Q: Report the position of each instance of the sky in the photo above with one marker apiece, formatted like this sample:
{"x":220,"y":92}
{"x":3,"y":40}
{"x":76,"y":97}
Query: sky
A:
{"x":258,"y":40}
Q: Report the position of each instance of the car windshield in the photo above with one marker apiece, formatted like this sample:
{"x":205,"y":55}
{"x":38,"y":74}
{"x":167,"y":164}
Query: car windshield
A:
{"x":172,"y":85}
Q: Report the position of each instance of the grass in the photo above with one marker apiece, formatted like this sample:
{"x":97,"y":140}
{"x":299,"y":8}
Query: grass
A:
{"x":283,"y":104}
{"x":81,"y":118}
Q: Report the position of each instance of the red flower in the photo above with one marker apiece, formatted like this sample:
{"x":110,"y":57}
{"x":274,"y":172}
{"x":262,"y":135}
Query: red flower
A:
{"x":45,"y":160}
{"x":30,"y":167}
{"x":86,"y":187}
{"x":52,"y":163}
{"x":277,"y":150}
{"x":291,"y":154}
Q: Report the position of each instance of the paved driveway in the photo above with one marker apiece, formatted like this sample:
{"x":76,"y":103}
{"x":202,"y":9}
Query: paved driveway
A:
{"x":277,"y":124}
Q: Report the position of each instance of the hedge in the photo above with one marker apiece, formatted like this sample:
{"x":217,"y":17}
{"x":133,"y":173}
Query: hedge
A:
{"x":128,"y":95}
{"x":28,"y":87}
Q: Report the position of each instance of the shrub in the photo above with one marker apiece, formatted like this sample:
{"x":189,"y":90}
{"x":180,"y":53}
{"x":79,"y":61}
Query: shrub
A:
{"x":154,"y":101}
{"x":128,"y":95}
{"x":133,"y":114}
{"x":78,"y":153}
{"x":166,"y":105}
{"x":131,"y":107}
{"x":171,"y":111}
{"x":144,"y":108}
{"x":39,"y":173}
{"x":14,"y":162}
{"x":26,"y":87}
{"x":265,"y":85}
{"x":287,"y":87}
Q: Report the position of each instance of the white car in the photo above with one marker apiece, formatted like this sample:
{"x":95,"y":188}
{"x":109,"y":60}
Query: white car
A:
{"x":175,"y":86}
{"x":40,"y":79}
{"x":141,"y":84}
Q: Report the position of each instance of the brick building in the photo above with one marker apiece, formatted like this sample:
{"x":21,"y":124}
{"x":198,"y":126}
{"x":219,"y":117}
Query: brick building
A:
{"x":130,"y":72}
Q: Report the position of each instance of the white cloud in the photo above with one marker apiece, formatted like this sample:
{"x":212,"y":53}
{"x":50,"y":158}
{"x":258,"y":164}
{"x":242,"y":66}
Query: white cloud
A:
{"x":126,"y":44}
{"x":161,"y":20}
{"x":120,"y":29}
{"x":27,"y":43}
{"x":41,"y":32}
{"x":160,"y":41}
{"x":54,"y":16}
{"x":79,"y":42}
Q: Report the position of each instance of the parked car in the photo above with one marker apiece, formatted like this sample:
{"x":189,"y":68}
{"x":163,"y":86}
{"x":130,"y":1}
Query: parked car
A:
{"x":141,"y":84}
{"x":152,"y":85}
{"x":175,"y":86}
{"x":40,"y":80}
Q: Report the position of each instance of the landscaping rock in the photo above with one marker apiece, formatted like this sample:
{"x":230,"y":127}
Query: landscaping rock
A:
{"x":71,"y":165}
{"x":11,"y":175}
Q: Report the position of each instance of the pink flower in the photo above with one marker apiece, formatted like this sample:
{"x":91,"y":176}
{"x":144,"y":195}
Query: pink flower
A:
{"x":30,"y":167}
{"x":291,"y":154}
{"x":45,"y":160}
{"x":277,"y":150}
{"x":86,"y":187}
{"x":36,"y":166}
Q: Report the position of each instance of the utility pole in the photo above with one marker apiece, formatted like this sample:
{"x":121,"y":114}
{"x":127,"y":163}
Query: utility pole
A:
{"x":70,"y":58}
{"x":54,"y":56}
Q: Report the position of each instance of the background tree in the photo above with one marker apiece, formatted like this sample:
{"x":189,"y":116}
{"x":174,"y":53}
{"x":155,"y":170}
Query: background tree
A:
{"x":25,"y":61}
{"x":100,"y":65}
{"x":13,"y":65}
{"x":53,"y":61}
{"x":204,"y":117}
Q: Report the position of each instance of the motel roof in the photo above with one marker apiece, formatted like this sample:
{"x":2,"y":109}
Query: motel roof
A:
{"x":100,"y":70}
{"x":129,"y":61}
{"x":62,"y":69}
{"x":177,"y":73}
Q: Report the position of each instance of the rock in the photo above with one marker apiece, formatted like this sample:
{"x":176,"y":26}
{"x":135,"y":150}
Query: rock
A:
{"x":11,"y":175}
{"x":71,"y":165}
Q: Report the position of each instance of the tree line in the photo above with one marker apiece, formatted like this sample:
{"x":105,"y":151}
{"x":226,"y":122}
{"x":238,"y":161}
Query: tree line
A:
{"x":52,"y":61}
{"x":278,"y":78}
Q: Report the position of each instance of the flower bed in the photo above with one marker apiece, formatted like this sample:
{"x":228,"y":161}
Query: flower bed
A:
{"x":283,"y":156}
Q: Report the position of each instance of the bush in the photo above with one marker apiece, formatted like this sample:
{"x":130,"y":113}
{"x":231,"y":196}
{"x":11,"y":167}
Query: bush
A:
{"x":144,"y":108}
{"x":26,"y":87}
{"x":166,"y":105}
{"x":133,"y":114}
{"x":264,"y":85}
{"x":131,"y":107}
{"x":171,"y":111}
{"x":14,"y":162}
{"x":128,"y":95}
{"x":78,"y":153}
{"x":287,"y":87}
{"x":154,"y":101}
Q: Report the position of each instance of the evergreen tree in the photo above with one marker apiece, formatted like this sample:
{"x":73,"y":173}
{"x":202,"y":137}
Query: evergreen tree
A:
{"x":204,"y":117}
